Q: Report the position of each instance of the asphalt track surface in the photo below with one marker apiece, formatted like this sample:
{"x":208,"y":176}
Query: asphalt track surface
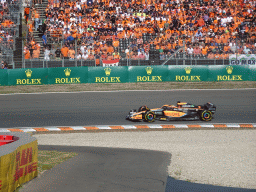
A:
{"x":111,"y":108}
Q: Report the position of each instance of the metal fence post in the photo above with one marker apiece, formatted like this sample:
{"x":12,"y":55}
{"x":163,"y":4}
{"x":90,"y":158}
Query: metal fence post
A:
{"x":183,"y":52}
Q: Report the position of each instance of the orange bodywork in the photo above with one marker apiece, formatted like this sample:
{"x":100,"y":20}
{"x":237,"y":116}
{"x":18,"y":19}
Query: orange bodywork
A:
{"x":139,"y":116}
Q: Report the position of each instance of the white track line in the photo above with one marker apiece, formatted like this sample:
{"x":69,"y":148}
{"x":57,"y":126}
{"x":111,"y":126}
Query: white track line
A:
{"x":28,"y":130}
{"x":103,"y":127}
{"x":181,"y":126}
{"x":78,"y":128}
{"x":129,"y":127}
{"x":207,"y":125}
{"x":53,"y":129}
{"x":132,"y":91}
{"x":155,"y":126}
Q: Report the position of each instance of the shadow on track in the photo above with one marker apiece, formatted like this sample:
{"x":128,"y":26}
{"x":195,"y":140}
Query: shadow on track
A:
{"x":174,"y":185}
{"x":99,"y":169}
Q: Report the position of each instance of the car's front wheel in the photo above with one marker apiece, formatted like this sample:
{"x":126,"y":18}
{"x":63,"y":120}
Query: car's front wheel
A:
{"x":206,"y":116}
{"x":150,"y":116}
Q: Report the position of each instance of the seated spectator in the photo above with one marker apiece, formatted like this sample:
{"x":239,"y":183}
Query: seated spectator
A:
{"x":58,"y":54}
{"x":64,"y":52}
{"x":71,"y":54}
{"x":84,"y":56}
{"x":2,"y":64}
{"x":78,"y":55}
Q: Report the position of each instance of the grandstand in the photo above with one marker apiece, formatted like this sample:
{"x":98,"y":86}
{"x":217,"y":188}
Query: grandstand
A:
{"x":10,"y":32}
{"x":139,"y":32}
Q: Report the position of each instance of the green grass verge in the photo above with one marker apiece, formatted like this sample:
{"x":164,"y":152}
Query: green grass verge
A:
{"x":126,"y":86}
{"x":48,"y":159}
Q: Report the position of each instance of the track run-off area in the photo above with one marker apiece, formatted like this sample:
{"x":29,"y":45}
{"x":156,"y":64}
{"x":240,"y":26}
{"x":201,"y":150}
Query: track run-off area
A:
{"x":195,"y":160}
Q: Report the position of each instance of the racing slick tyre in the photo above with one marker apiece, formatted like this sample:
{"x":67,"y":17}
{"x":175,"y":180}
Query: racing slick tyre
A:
{"x":150,"y":116}
{"x":143,"y":108}
{"x":206,"y":116}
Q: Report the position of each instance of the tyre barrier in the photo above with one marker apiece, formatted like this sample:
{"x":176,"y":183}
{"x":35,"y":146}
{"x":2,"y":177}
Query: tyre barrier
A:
{"x":18,"y":160}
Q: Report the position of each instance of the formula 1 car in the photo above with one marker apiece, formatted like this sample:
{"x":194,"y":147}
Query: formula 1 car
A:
{"x":182,"y":111}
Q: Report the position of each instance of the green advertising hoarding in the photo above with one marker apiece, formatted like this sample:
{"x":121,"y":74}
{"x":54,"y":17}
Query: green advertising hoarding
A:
{"x":187,"y":73}
{"x":77,"y":75}
{"x":30,"y":76}
{"x":3,"y":77}
{"x":252,"y":76}
{"x":68,"y":75}
{"x":108,"y":75}
{"x":229,"y":73}
{"x":148,"y":73}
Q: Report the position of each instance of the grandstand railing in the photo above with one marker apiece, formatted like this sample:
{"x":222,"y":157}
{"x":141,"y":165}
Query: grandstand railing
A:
{"x":7,"y":58}
{"x":36,"y":63}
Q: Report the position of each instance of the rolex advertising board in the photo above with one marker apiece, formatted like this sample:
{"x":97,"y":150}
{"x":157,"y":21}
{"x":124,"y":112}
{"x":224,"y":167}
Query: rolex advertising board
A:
{"x":187,"y":73}
{"x":67,"y":75}
{"x":229,"y":73}
{"x":30,"y":76}
{"x":148,"y":73}
{"x":119,"y":74}
{"x":3,"y":77}
{"x":108,"y":75}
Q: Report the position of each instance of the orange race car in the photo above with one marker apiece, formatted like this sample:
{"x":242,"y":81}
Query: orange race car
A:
{"x":182,"y":111}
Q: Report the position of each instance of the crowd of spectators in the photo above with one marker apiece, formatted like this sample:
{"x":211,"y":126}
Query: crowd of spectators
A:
{"x":132,"y":29}
{"x":8,"y":27}
{"x":32,"y":48}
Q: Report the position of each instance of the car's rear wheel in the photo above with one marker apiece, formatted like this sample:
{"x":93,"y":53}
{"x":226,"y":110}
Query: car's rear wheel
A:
{"x":206,"y":116}
{"x":150,"y":116}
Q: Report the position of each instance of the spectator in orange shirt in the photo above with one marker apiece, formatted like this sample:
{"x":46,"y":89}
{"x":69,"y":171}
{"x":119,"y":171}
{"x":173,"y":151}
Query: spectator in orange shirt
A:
{"x":36,"y":53}
{"x":26,"y":53}
{"x":26,"y":14}
{"x":210,"y":55}
{"x":71,"y":54}
{"x":90,"y":56}
{"x":64,"y":52}
{"x":110,"y":49}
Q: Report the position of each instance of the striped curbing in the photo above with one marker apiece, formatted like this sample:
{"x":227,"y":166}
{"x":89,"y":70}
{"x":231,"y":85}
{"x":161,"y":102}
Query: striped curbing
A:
{"x":127,"y":127}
